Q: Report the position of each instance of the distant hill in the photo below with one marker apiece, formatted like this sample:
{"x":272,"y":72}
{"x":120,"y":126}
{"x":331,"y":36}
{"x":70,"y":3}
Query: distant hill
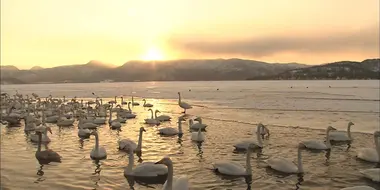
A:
{"x":8,"y":68}
{"x":191,"y":70}
{"x":367,"y":69}
{"x":36,"y":68}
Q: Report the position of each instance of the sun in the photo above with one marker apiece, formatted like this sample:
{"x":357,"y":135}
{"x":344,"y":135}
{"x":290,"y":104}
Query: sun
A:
{"x":153,"y":54}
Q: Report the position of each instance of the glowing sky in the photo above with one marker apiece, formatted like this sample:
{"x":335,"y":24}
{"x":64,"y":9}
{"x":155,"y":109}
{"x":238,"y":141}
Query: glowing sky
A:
{"x":54,"y":32}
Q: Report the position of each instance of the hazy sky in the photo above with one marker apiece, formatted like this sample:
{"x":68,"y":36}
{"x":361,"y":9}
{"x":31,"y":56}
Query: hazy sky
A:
{"x":55,"y":32}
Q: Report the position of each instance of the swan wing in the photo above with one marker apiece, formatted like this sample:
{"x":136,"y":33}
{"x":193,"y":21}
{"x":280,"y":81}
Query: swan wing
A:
{"x":373,"y":174}
{"x":361,"y":187}
{"x":368,"y":154}
{"x":168,"y":131}
{"x":229,"y":168}
{"x":312,"y":144}
{"x":282,"y":165}
{"x":125,"y":143}
{"x":338,"y":136}
{"x":185,"y":105}
{"x":150,"y":169}
{"x":198,"y":125}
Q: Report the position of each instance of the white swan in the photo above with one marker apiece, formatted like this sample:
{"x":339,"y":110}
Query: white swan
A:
{"x":198,"y":136}
{"x":151,"y":120}
{"x":145,"y":169}
{"x":182,"y":104}
{"x":147,"y":104}
{"x":243,"y":145}
{"x":342,"y":135}
{"x":161,"y":117}
{"x":360,"y":187}
{"x":98,"y":152}
{"x":319,"y":145}
{"x":196,"y":126}
{"x":234,"y":168}
{"x":372,"y":174}
{"x":287,"y":166}
{"x":371,"y":154}
{"x":173,"y":183}
{"x":126,"y":144}
{"x":169,"y":131}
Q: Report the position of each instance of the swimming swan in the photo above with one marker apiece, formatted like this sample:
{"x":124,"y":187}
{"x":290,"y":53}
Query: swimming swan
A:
{"x":134,"y":103}
{"x":372,"y":174}
{"x":182,"y":104}
{"x":198,"y":136}
{"x":371,"y":154}
{"x":243,"y":145}
{"x":285,"y":165}
{"x":196,"y":126}
{"x":234,"y":168}
{"x":126,"y":144}
{"x":319,"y":145}
{"x":151,"y":120}
{"x":161,"y":117}
{"x":173,"y":183}
{"x":147,"y":104}
{"x":169,"y":131}
{"x":342,"y":135}
{"x":46,"y":155}
{"x":145,"y":169}
{"x":98,"y":152}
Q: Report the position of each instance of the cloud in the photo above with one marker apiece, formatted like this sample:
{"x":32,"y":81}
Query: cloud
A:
{"x":364,"y":40}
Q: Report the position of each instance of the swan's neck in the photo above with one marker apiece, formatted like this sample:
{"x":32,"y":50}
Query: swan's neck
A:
{"x":258,"y":136}
{"x":169,"y":182}
{"x":110,"y":118}
{"x":130,"y":162}
{"x":199,"y":133}
{"x":179,"y":127}
{"x":328,"y":144}
{"x":129,"y":107}
{"x":145,"y":103}
{"x":299,"y":161}
{"x":140,"y":141}
{"x":200,"y":120}
{"x":179,"y":98}
{"x":151,"y":113}
{"x":190,"y":122}
{"x":349,"y":131}
{"x":122,"y":99}
{"x":248,"y":168}
{"x":377,"y":146}
{"x":96,"y":142}
{"x":39,"y":142}
{"x":155,"y":115}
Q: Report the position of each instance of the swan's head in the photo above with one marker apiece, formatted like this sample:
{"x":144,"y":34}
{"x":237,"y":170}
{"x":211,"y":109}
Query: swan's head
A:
{"x":158,"y":111}
{"x":142,"y":129}
{"x":166,"y":161}
{"x":179,"y":93}
{"x":150,"y":109}
{"x":143,"y":99}
{"x":197,"y":119}
{"x":93,"y":133}
{"x":350,"y":123}
{"x":330,"y":128}
{"x":49,"y":129}
{"x":377,"y":134}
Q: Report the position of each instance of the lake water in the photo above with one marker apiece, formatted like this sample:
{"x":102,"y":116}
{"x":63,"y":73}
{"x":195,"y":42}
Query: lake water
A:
{"x":292,"y":110}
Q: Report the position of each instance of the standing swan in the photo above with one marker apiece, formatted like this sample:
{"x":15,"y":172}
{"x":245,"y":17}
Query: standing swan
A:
{"x":319,"y":145}
{"x":371,"y":154}
{"x":341,"y":135}
{"x":233,"y":168}
{"x":126,"y":144}
{"x":98,"y":152}
{"x":46,"y":156}
{"x":183,"y":105}
{"x":285,"y":165}
{"x":243,"y":145}
{"x":145,"y":169}
{"x":173,"y":183}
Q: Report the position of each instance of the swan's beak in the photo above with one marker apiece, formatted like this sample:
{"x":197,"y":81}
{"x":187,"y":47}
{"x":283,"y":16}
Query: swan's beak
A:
{"x":49,"y":130}
{"x":144,"y":130}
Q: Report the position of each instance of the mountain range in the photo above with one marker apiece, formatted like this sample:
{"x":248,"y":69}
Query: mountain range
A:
{"x":180,"y":70}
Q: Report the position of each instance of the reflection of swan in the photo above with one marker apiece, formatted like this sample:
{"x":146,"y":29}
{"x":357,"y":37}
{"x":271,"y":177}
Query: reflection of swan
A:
{"x":84,"y":133}
{"x":126,"y":144}
{"x":161,"y":117}
{"x":147,"y":104}
{"x":146,"y":169}
{"x":243,"y":145}
{"x":342,"y":135}
{"x":372,"y":174}
{"x":97,"y":153}
{"x":46,"y":156}
{"x":198,"y":136}
{"x":196,"y":126}
{"x":234,"y":168}
{"x":172,"y":131}
{"x":371,"y":154}
{"x":319,"y":145}
{"x":361,"y":187}
{"x":173,"y":183}
{"x":182,"y":104}
{"x":285,"y":165}
{"x":151,"y":120}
